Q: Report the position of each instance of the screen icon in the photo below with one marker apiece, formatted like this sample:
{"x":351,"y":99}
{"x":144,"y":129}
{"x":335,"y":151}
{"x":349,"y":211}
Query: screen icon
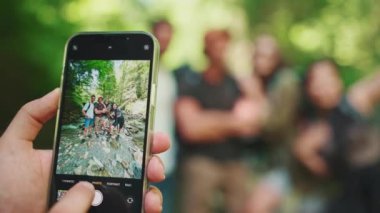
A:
{"x":130,"y":200}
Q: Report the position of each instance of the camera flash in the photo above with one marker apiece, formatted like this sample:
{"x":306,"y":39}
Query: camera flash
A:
{"x":75,"y":47}
{"x":146,"y":47}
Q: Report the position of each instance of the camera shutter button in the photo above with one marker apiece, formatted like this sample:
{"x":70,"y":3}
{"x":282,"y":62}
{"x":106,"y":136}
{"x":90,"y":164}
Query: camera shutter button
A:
{"x":98,"y":198}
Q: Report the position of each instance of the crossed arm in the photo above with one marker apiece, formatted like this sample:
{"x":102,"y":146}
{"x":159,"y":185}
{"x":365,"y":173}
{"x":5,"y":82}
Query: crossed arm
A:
{"x":199,"y":125}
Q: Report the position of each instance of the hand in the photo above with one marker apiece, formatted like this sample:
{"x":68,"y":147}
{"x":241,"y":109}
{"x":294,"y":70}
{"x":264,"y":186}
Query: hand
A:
{"x":264,"y":198}
{"x":25,"y":171}
{"x":249,"y":114}
{"x":308,"y":146}
{"x":104,"y":108}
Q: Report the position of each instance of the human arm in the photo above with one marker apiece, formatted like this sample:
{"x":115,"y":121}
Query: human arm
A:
{"x":104,"y":108}
{"x":308,"y":145}
{"x":198,"y":125}
{"x":85,"y":107}
{"x":365,"y":94}
{"x":96,"y":110}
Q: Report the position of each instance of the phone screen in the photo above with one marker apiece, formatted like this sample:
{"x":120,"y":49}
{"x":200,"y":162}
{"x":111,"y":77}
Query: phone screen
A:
{"x":103,"y":121}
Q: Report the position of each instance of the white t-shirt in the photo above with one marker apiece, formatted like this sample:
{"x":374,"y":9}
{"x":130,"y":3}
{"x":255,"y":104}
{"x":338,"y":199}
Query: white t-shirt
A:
{"x":90,"y":110}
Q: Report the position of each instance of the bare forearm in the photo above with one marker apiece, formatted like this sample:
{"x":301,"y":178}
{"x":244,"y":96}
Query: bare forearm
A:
{"x":308,"y":146}
{"x":375,"y":89}
{"x":365,"y":95}
{"x":198,"y":125}
{"x":209,"y":126}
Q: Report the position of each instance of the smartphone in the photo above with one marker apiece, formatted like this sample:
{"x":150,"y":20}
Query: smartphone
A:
{"x":105,"y":118}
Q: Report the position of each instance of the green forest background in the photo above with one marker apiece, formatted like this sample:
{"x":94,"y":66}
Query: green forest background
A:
{"x":120,"y":81}
{"x":34,"y":32}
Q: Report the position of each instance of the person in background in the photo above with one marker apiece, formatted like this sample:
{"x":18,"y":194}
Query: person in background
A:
{"x":211,"y":117}
{"x":88,"y":113}
{"x":336,"y":138}
{"x":164,"y":119}
{"x":277,"y":87}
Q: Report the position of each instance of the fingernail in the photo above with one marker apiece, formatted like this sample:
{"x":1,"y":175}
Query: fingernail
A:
{"x":161,"y":164}
{"x":162,"y":167}
{"x":156,"y":191}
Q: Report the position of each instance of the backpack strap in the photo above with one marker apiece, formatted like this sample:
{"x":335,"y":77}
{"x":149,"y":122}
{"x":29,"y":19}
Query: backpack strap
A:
{"x":88,"y":107}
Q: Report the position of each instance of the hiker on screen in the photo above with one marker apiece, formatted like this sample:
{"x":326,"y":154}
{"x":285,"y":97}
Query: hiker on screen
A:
{"x":118,"y":119}
{"x":88,"y":113}
{"x":100,"y":115}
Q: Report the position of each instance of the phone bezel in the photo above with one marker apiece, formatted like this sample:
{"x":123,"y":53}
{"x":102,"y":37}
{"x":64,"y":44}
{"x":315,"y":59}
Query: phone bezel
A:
{"x":125,"y":47}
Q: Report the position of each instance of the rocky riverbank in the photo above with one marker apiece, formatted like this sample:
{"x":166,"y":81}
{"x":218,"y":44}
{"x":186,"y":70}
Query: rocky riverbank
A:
{"x":116,"y":156}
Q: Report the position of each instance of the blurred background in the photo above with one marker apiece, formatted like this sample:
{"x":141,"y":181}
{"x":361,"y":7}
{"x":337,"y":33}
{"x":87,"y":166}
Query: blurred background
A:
{"x":35,"y":31}
{"x":34,"y":34}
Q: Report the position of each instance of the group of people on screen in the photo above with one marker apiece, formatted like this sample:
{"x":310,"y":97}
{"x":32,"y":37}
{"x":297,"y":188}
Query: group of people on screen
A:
{"x":101,"y":118}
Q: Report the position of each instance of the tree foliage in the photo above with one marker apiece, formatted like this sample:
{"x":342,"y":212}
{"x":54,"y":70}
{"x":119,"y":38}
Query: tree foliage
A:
{"x":347,"y":31}
{"x":135,"y":72}
{"x":120,"y":82}
{"x":35,"y":33}
{"x":88,"y":77}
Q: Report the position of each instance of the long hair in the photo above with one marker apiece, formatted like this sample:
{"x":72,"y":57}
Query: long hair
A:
{"x":308,"y":110}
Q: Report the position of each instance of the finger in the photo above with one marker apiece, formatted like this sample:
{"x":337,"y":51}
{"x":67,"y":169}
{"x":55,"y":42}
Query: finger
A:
{"x":30,"y":118}
{"x":45,"y":159}
{"x":153,"y":200}
{"x":77,"y":199}
{"x":161,"y":143}
{"x":156,"y":170}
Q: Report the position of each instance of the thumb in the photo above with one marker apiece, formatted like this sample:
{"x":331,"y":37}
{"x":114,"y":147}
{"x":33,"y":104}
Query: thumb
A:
{"x":31,"y":117}
{"x":77,"y":200}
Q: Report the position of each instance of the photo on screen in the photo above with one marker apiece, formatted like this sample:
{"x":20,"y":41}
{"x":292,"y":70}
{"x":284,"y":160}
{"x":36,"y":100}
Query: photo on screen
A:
{"x":103,"y":118}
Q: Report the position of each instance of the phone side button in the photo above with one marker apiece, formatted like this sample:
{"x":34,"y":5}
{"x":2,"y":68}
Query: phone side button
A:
{"x":98,"y":198}
{"x":153,"y":95}
{"x":152,"y":116}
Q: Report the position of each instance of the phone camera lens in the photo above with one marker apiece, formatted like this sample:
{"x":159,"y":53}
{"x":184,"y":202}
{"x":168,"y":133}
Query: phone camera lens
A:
{"x":109,"y":47}
{"x":75,"y":47}
{"x":146,"y":47}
